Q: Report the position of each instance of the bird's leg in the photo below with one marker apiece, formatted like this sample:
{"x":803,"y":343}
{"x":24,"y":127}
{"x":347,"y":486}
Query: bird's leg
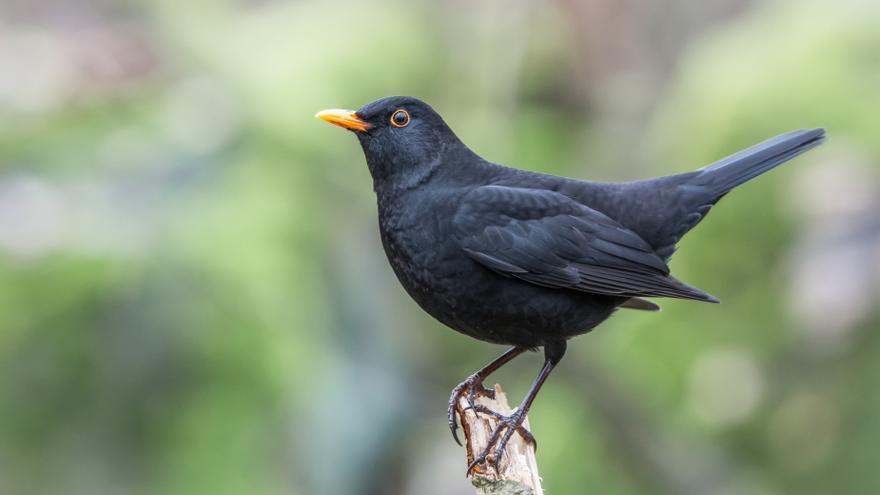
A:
{"x":507,"y":425}
{"x":473,"y":385}
{"x":523,"y":432}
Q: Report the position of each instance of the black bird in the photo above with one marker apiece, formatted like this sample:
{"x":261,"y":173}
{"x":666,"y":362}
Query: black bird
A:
{"x":526,"y":259}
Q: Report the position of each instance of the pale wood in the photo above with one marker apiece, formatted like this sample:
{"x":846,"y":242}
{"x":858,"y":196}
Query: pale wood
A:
{"x":518,"y":468}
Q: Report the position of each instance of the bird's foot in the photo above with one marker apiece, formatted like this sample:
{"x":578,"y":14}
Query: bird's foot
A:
{"x":502,"y":433}
{"x":472,"y":386}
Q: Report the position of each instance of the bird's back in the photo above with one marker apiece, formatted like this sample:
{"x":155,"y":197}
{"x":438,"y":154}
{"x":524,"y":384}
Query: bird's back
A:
{"x":647,"y":207}
{"x":661,"y":210}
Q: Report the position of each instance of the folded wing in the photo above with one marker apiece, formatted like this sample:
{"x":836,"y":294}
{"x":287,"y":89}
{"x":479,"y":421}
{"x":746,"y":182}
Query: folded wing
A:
{"x":548,"y":239}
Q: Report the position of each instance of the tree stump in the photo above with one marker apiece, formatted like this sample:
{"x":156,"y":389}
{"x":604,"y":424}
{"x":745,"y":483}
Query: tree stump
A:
{"x":518,"y":470}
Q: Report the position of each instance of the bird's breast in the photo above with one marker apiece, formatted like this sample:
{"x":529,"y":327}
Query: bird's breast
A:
{"x":418,"y":243}
{"x":459,"y":292}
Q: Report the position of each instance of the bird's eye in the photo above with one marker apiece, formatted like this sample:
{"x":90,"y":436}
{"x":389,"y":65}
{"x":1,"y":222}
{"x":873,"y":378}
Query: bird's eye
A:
{"x":400,"y":118}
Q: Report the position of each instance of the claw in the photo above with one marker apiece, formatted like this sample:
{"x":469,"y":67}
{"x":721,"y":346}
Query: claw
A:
{"x":485,"y":453}
{"x":523,"y":432}
{"x":479,"y":389}
{"x":506,"y":425}
{"x":476,"y":462}
{"x":473,"y":385}
{"x":452,"y":418}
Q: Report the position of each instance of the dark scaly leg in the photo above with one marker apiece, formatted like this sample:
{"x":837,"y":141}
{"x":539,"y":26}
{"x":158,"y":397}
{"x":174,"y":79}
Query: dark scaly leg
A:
{"x":507,"y":425}
{"x":473,"y":385}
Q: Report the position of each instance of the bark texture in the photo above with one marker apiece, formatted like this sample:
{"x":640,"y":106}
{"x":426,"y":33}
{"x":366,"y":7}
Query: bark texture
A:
{"x":518,"y":470}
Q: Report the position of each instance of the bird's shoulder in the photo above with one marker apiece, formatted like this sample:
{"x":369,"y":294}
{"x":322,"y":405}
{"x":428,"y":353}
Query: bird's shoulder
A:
{"x":501,"y":201}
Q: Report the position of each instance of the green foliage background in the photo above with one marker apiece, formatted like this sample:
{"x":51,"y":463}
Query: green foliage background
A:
{"x":193,"y":298}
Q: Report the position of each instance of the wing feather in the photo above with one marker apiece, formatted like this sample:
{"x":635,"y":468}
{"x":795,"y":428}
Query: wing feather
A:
{"x":548,"y":239}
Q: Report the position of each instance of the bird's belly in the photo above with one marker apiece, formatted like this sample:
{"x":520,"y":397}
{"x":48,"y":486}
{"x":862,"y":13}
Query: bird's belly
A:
{"x":473,"y":300}
{"x":511,"y":311}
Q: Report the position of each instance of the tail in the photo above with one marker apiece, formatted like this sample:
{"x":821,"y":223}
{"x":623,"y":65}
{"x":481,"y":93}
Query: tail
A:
{"x":720,"y":177}
{"x":698,"y":191}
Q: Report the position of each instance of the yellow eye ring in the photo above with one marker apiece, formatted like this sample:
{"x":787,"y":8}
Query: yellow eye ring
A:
{"x":400,"y":118}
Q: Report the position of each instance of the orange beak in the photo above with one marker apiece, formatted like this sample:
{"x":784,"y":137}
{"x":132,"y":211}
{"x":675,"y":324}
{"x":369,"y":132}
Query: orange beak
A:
{"x":344,"y":118}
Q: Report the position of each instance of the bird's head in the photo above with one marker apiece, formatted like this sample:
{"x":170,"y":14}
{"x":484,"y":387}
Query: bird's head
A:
{"x":403,"y":138}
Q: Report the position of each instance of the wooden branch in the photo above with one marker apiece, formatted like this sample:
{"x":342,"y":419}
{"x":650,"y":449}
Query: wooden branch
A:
{"x":518,"y":470}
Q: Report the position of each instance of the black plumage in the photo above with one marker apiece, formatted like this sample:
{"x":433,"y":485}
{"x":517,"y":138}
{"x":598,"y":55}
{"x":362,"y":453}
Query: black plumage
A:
{"x":527,"y":259}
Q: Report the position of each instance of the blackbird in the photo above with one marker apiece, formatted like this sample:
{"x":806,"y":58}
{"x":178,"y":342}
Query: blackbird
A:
{"x":527,"y":259}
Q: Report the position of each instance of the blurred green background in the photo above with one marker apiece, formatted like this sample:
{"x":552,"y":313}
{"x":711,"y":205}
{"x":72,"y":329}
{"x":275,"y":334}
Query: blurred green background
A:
{"x":194,"y":300}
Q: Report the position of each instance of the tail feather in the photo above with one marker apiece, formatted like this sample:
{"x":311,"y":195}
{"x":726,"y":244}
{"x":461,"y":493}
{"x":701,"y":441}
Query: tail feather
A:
{"x":701,"y":189}
{"x":727,"y":173}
